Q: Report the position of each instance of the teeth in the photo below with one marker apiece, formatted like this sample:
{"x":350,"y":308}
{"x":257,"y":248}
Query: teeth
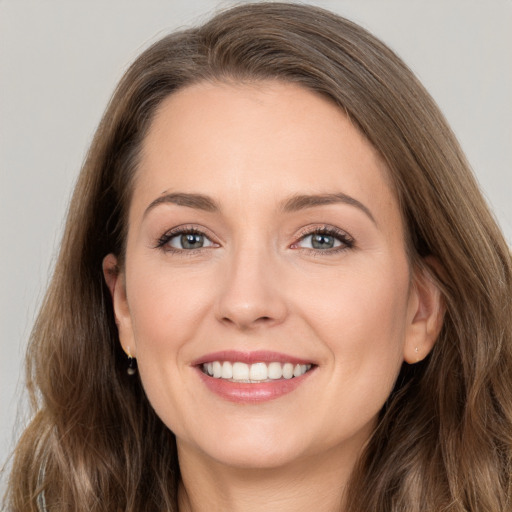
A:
{"x":217,"y":369}
{"x":240,"y":371}
{"x":275,"y":371}
{"x":299,"y":370}
{"x":288,"y":370}
{"x":227,"y":370}
{"x":256,"y":372}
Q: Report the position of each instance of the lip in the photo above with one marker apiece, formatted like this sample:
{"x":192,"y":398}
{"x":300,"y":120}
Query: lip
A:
{"x":241,"y":392}
{"x":257,"y":356}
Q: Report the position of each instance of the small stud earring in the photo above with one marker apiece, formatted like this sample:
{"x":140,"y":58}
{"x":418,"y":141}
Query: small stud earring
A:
{"x":132,"y":366}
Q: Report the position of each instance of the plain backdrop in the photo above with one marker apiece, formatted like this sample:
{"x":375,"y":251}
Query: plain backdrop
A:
{"x":60,"y":60}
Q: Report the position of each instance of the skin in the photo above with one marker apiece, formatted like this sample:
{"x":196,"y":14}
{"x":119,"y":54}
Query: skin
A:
{"x":356,"y":311}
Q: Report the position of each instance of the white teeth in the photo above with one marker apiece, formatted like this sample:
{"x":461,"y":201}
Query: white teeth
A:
{"x":217,"y":369}
{"x":240,"y":371}
{"x":275,"y":371}
{"x":227,"y":370}
{"x":256,"y":372}
{"x":288,"y":370}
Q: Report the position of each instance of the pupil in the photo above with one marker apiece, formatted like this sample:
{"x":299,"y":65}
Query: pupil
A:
{"x":322,"y":241}
{"x":191,"y":241}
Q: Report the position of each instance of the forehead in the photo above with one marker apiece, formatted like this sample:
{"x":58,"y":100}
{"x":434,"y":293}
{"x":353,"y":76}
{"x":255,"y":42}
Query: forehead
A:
{"x":266,"y":138}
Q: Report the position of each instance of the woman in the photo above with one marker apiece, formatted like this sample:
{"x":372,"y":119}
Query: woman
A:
{"x":276,"y":223}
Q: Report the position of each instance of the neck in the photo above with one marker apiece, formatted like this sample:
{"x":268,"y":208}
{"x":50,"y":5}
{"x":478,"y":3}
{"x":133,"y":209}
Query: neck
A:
{"x":313,"y":483}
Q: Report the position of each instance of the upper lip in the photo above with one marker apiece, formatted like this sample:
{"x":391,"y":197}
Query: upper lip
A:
{"x":250,"y":357}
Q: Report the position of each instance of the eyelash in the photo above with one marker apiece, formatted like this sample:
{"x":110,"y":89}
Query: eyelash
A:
{"x":347,"y":242}
{"x":163,"y":241}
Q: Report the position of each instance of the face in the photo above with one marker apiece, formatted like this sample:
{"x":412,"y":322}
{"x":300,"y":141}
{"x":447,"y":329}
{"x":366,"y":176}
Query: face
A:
{"x":266,"y":292}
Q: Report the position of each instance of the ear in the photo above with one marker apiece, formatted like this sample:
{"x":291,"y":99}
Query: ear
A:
{"x":115,"y":280}
{"x":426,"y":312}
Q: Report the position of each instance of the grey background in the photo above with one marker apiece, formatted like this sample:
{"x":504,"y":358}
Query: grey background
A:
{"x":60,"y":60}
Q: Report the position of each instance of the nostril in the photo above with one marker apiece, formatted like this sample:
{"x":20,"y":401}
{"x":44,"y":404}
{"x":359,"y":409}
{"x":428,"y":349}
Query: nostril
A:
{"x":264,"y":320}
{"x":244,"y":323}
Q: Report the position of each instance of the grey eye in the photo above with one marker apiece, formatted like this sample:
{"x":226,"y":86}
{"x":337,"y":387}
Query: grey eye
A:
{"x":189,"y":241}
{"x":320,"y":241}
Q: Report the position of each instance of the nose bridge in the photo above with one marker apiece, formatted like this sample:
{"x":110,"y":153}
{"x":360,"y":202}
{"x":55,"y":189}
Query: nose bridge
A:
{"x":250,"y":294}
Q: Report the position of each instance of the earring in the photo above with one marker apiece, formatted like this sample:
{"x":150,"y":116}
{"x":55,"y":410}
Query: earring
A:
{"x":132,"y":366}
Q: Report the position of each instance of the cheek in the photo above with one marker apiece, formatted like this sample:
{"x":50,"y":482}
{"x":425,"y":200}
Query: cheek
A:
{"x":362,"y":321}
{"x":362,"y":317}
{"x":164,"y":303}
{"x":165,"y":307}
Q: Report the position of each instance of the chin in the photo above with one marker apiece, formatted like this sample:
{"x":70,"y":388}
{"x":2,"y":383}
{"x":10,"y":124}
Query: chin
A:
{"x":255,"y":456}
{"x":256,"y":447}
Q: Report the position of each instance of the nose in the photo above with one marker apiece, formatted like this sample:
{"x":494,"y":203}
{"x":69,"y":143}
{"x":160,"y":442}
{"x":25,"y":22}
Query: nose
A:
{"x":251,"y":294}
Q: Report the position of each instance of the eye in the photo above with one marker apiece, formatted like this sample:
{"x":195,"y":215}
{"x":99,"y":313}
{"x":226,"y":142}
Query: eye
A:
{"x":319,"y":241}
{"x":189,"y":241}
{"x":326,"y":239}
{"x":184,"y":240}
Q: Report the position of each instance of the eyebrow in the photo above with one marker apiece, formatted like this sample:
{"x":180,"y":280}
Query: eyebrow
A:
{"x":197,"y":201}
{"x":302,"y":202}
{"x":293,"y":204}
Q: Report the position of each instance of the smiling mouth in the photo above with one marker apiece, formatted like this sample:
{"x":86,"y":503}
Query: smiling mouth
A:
{"x":254,"y":373}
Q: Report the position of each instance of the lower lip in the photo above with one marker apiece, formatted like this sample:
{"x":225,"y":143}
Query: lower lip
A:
{"x":242,"y":392}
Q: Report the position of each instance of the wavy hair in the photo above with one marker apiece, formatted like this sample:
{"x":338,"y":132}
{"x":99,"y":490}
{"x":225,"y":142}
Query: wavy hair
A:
{"x":444,"y":438}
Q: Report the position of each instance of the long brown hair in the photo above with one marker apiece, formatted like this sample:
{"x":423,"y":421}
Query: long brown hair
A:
{"x":444,"y":439}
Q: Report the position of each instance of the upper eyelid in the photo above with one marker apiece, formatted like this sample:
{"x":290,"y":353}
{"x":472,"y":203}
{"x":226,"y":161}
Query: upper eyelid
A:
{"x":191,"y":228}
{"x":323,"y":228}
